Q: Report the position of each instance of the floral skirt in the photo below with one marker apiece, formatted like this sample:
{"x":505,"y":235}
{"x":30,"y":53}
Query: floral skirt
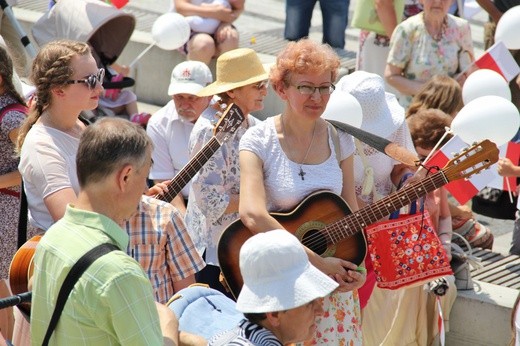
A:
{"x":341,"y":322}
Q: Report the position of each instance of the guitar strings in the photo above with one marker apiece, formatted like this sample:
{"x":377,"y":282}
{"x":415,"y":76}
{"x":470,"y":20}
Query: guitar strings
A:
{"x":338,"y":230}
{"x":436,"y":180}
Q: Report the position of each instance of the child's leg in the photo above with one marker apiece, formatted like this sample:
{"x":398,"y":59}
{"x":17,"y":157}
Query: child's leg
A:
{"x":131,"y":108}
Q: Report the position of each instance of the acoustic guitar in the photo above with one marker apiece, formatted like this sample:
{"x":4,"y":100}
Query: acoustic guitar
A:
{"x":20,"y":272}
{"x":324,"y":223}
{"x":227,"y":125}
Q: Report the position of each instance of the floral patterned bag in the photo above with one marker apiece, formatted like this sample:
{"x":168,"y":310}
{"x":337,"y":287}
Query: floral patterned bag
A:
{"x":406,"y":251}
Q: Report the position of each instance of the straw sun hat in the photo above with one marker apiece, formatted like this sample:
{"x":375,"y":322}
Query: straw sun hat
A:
{"x":278,"y":275}
{"x":382,"y":113}
{"x":235,"y":69}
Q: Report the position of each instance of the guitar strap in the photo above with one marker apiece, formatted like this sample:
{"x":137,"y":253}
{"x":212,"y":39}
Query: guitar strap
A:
{"x":390,"y":149}
{"x":72,"y":277}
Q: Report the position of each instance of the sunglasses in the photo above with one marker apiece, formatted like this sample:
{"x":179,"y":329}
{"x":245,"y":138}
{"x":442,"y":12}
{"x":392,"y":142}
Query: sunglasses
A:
{"x":92,"y":80}
{"x":262,"y":84}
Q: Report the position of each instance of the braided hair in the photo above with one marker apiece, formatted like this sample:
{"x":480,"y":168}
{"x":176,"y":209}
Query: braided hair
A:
{"x":6,"y":71}
{"x":51,"y":68}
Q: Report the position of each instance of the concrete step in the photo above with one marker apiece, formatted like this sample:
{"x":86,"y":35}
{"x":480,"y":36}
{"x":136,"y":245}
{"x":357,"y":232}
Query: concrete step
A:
{"x":262,"y":19}
{"x":482,"y":317}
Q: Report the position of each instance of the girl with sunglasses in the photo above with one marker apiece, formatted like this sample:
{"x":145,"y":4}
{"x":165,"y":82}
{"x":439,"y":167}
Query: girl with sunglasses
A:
{"x":67,"y":82}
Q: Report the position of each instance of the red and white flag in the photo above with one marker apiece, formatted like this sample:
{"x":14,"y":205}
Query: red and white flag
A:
{"x":461,"y":189}
{"x":511,"y":150}
{"x":499,"y":59}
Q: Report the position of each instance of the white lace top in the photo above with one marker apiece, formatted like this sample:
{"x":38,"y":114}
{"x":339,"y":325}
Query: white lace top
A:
{"x":380,"y":164}
{"x":284,"y":187}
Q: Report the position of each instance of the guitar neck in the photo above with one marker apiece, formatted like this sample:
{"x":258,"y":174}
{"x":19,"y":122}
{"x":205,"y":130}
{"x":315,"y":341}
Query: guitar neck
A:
{"x":187,"y":172}
{"x":376,"y":211}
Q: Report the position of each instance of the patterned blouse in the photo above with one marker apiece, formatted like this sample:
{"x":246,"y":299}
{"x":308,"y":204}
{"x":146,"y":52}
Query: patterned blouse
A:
{"x":421,"y":57}
{"x":213,"y":186}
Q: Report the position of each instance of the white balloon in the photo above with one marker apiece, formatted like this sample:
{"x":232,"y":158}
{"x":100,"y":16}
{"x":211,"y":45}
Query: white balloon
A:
{"x":344,"y":107}
{"x":485,"y":82}
{"x":508,"y":28}
{"x":170,"y":31}
{"x":487,"y":117}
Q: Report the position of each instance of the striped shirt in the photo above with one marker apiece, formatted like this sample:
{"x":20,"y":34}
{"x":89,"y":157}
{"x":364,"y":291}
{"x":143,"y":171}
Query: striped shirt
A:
{"x":112,"y":302}
{"x":160,"y":242}
{"x":246,"y":334}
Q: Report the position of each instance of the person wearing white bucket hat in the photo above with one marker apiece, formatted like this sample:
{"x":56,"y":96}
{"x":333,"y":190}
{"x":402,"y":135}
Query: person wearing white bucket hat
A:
{"x":282,"y":292}
{"x":289,"y":156}
{"x":375,"y":173}
{"x":170,"y":127}
{"x":213,"y":200}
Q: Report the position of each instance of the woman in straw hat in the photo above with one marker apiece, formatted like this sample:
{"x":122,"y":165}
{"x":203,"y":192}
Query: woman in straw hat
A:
{"x":213,"y":199}
{"x":292,"y":154}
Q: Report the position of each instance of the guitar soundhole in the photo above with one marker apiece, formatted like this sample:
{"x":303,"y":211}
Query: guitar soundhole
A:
{"x":315,"y":241}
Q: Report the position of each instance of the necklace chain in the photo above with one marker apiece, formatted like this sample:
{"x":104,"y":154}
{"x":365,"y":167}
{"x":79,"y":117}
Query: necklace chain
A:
{"x":439,"y":35}
{"x":302,"y":172}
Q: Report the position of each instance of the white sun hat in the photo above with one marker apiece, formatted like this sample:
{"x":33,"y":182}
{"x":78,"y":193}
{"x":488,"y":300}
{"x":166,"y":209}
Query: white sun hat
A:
{"x":382,"y":113}
{"x":278,"y":275}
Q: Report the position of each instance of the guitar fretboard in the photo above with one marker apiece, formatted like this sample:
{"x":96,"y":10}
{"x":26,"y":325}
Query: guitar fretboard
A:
{"x":357,"y":221}
{"x":189,"y":170}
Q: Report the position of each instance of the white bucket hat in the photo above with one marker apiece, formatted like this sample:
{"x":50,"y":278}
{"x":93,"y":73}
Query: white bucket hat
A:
{"x":278,"y":275}
{"x":189,"y":77}
{"x":382,"y":113}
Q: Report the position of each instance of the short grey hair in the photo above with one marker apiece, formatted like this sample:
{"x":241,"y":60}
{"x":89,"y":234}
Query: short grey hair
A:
{"x":108,"y":145}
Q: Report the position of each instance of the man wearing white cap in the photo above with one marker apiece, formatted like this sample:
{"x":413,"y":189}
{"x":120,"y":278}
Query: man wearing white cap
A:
{"x":171,"y":126}
{"x":282,"y":292}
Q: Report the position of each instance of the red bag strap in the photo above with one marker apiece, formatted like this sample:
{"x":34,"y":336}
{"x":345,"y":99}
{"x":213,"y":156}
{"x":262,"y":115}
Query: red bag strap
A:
{"x":13,"y":107}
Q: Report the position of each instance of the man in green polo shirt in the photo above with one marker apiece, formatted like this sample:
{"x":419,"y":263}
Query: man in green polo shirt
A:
{"x":112,"y":302}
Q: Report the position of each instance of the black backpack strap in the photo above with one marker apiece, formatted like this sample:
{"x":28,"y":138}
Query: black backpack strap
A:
{"x":72,"y":277}
{"x":22,"y":217}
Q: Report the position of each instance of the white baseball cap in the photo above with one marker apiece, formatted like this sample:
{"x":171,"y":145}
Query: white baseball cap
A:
{"x":278,"y":275}
{"x":189,"y":77}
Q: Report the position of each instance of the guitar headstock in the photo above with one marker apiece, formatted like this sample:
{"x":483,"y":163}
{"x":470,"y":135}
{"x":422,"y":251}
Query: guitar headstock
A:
{"x":228,"y":123}
{"x":471,"y":160}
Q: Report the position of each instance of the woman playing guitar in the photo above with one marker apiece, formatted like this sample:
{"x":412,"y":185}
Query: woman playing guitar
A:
{"x":295,"y":153}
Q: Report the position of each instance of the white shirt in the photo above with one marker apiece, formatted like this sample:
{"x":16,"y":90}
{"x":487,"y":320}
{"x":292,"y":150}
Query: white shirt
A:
{"x":170,"y":134}
{"x":284,"y":187}
{"x":47,"y":164}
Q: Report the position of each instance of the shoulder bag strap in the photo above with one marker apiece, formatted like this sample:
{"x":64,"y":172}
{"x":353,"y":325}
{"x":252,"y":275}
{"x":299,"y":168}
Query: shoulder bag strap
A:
{"x":335,"y":141}
{"x":72,"y":277}
{"x":22,"y":217}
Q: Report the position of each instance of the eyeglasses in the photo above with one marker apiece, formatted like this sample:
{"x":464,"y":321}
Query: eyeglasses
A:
{"x":309,"y":90}
{"x":262,"y":84}
{"x":91,"y":80}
